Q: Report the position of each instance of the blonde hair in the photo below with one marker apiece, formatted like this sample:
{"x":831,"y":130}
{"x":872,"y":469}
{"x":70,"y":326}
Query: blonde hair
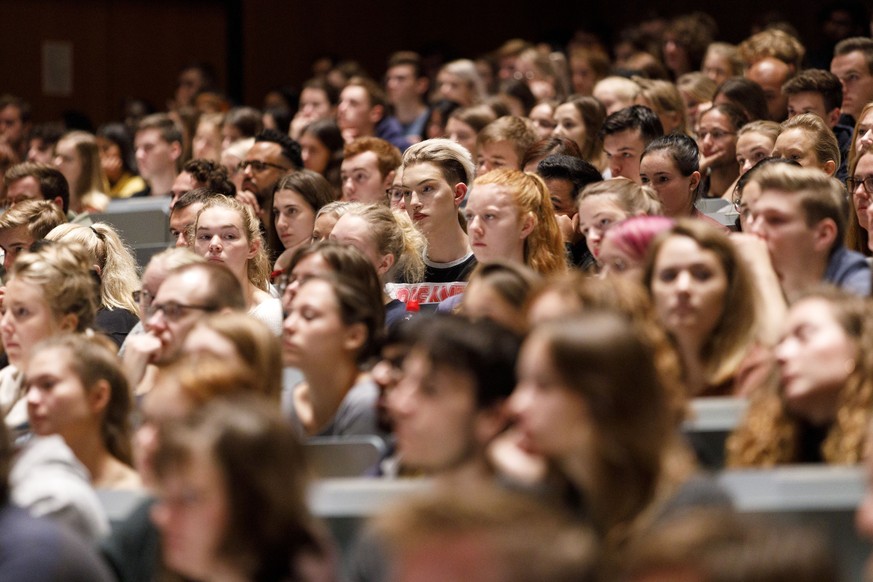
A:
{"x":63,"y":272}
{"x":663,"y":97}
{"x":114,"y":261}
{"x":825,"y":142}
{"x":258,"y":267}
{"x":769,"y":435}
{"x":629,"y":195}
{"x":729,"y":52}
{"x":770,"y":129}
{"x":544,"y":249}
{"x":466,"y":70}
{"x":394,"y":234}
{"x":697,"y":85}
{"x":39,"y":216}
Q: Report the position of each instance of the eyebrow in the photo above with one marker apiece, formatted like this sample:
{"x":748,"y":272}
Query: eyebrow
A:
{"x":233,"y":226}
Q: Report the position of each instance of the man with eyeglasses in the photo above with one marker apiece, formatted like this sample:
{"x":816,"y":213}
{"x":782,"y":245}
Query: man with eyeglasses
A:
{"x":273,"y":155}
{"x":188,"y":294}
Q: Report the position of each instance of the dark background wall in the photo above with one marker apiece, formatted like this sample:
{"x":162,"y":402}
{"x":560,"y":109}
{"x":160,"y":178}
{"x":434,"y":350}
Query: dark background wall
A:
{"x":136,"y":47}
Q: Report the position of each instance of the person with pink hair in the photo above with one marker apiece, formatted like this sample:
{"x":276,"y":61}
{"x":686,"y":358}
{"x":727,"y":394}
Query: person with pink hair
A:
{"x":624,"y":246}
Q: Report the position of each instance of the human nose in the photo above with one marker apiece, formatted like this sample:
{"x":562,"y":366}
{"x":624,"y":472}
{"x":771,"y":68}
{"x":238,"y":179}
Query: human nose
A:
{"x":518,"y":401}
{"x":783,"y":350}
{"x":400,"y":400}
{"x":215,"y":242}
{"x":683,"y":281}
{"x":181,"y":239}
{"x":867,"y":138}
{"x":33,"y":395}
{"x":414,"y":200}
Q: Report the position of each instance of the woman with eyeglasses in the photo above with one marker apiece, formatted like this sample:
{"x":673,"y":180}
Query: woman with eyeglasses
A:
{"x":717,"y":136}
{"x":860,"y":187}
{"x":48,"y":292}
{"x":228,"y":232}
{"x":296,"y":201}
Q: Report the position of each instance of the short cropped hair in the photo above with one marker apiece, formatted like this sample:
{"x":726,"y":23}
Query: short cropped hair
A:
{"x":861,"y":44}
{"x":39,"y":216}
{"x":224,"y":290}
{"x":633,"y":117}
{"x":52,"y":183}
{"x":291,"y":150}
{"x":24,"y":109}
{"x":374,"y":91}
{"x":517,"y":130}
{"x":388,"y":155}
{"x":574,"y":170}
{"x":410,"y":58}
{"x":165,"y":125}
{"x":817,"y":81}
{"x":821,"y":196}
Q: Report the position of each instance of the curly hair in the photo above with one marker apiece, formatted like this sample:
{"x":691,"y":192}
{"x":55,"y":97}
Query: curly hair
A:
{"x":544,"y":250}
{"x":769,"y":435}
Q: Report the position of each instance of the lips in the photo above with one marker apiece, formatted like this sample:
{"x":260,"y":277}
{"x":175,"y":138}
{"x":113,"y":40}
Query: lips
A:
{"x":418,"y":216}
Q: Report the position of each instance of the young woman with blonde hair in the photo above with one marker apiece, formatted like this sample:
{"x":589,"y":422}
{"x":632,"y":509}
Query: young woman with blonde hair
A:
{"x":228,"y":232}
{"x":115,"y":267}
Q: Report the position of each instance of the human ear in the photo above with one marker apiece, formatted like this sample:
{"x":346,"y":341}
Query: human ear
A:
{"x":460,"y":192}
{"x":355,"y":337}
{"x":530,"y":221}
{"x":99,"y":396}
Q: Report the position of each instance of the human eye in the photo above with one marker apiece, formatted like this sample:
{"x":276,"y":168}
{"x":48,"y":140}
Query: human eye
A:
{"x":663,"y":179}
{"x":740,"y":161}
{"x":308,"y":314}
{"x":701,"y":273}
{"x":230,"y":236}
{"x":667,"y":275}
{"x":645,"y":180}
{"x":627,"y":155}
{"x":20,"y":312}
{"x":360,"y":177}
{"x":604,"y":222}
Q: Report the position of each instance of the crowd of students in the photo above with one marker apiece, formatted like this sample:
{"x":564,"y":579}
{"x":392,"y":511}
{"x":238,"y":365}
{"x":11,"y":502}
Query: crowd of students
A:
{"x":516,"y":272}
